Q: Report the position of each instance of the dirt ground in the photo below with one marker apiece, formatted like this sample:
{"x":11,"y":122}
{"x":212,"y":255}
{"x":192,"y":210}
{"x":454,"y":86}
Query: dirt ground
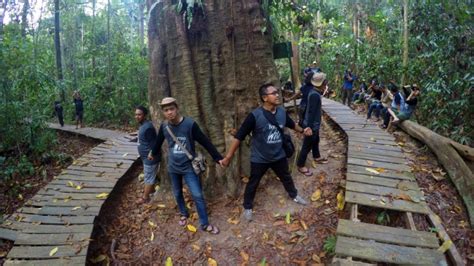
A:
{"x":150,"y":234}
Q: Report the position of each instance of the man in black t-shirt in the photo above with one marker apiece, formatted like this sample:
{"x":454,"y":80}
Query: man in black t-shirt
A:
{"x":266,"y":146}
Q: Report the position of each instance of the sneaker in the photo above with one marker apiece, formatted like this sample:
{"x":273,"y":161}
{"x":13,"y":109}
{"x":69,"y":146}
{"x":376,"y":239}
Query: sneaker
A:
{"x":248,"y":214}
{"x":300,"y":200}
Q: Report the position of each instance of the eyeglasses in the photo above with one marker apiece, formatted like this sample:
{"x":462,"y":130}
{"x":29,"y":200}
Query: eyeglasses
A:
{"x":273,"y":93}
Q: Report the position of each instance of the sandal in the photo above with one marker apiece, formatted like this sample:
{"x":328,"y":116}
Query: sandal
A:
{"x":142,"y":200}
{"x":211,"y":229}
{"x":306,"y":173}
{"x":183,"y":220}
{"x":321,"y":160}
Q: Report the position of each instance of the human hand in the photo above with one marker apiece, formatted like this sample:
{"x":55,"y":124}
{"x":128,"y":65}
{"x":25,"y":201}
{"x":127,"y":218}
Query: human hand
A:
{"x":307,"y":132}
{"x":150,"y":156}
{"x":225,"y":162}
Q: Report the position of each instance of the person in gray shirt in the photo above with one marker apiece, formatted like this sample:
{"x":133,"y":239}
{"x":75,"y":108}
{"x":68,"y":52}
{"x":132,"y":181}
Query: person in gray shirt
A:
{"x":180,"y":166}
{"x":267,"y":146}
{"x":146,"y":141}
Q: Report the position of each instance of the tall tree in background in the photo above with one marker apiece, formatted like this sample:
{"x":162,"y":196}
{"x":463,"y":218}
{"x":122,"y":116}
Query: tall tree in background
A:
{"x":57,"y":46}
{"x":405,"y":41}
{"x":213,"y":62}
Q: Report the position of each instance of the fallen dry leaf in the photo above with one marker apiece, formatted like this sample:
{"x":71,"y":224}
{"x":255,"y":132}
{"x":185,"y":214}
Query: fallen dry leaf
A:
{"x":53,"y":251}
{"x":316,"y":195}
{"x":191,"y":228}
{"x":211,"y":262}
{"x":372,"y":170}
{"x":102,"y":195}
{"x":98,"y":258}
{"x":244,"y":256}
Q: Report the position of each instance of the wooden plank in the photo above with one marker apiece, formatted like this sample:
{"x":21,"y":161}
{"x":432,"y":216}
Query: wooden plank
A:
{"x":380,"y":181}
{"x":367,"y":139}
{"x":104,"y":175}
{"x":382,"y":191}
{"x":67,"y":189}
{"x":453,"y":253}
{"x":74,"y":196}
{"x":68,"y":203}
{"x":389,"y":235}
{"x":51,"y":229}
{"x":91,"y":169}
{"x":88,"y":178}
{"x":78,"y":260}
{"x":349,"y":262}
{"x":51,"y":219}
{"x":387,"y":173}
{"x":7,"y":234}
{"x":101,"y":157}
{"x":51,"y":210}
{"x":397,"y":154}
{"x":42,"y":252}
{"x":377,"y":136}
{"x":379,"y":252}
{"x":376,"y":164}
{"x":376,"y":146}
{"x":376,"y":201}
{"x":51,"y":239}
{"x":85,"y":184}
{"x":373,"y":157}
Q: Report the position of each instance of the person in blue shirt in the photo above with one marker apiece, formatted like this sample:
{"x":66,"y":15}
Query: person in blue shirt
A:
{"x":266,"y":146}
{"x":186,"y":131}
{"x":146,"y":141}
{"x":347,"y":87}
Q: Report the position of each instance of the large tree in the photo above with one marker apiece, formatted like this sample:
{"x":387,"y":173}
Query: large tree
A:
{"x":212,"y":56}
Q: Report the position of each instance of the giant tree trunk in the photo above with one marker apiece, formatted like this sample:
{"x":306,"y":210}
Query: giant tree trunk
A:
{"x":451,"y":155}
{"x":214,"y":69}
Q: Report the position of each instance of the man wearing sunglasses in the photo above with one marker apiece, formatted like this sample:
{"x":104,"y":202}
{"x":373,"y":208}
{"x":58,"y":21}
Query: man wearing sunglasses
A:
{"x":266,"y":146}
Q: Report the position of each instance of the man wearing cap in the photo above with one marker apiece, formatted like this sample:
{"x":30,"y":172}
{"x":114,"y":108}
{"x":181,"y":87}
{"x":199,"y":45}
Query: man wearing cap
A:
{"x":146,"y":141}
{"x":312,"y":120}
{"x":266,"y":146}
{"x":185,"y":131}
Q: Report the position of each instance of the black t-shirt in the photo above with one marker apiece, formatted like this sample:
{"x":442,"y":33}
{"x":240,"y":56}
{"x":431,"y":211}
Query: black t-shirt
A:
{"x":378,"y":94}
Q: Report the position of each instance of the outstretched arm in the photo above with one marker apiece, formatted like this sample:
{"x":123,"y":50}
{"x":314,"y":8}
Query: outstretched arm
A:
{"x":247,"y":126}
{"x":205,"y":142}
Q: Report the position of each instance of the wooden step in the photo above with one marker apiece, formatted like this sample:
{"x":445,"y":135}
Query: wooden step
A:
{"x":389,"y":253}
{"x":386,"y":234}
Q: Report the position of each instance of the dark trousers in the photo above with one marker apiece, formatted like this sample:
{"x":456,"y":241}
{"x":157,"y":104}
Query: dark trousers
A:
{"x":257,"y":170}
{"x":309,"y":143}
{"x":61,"y":119}
{"x":386,"y":116}
{"x":346,"y":95}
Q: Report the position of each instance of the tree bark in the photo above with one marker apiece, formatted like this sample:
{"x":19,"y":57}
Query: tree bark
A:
{"x":141,"y":23}
{"x":214,"y":69}
{"x":405,"y":42}
{"x":444,"y":149}
{"x":109,"y":59}
{"x":57,"y":45}
{"x":24,"y":18}
{"x":93,"y":46}
{"x":318,"y":36}
{"x":295,"y":60}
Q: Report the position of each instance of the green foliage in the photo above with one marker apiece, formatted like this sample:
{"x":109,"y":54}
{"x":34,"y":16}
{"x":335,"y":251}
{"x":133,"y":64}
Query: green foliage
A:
{"x":329,"y":245}
{"x":383,"y":218}
{"x":440,"y":51}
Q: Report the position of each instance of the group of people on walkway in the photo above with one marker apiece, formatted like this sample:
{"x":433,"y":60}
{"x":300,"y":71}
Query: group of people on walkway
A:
{"x":270,"y":147}
{"x":387,"y":102}
{"x":78,"y":108}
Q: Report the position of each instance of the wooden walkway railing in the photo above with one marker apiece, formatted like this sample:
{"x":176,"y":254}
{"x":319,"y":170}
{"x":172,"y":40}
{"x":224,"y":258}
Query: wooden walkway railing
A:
{"x":55,"y":226}
{"x":378,"y":176}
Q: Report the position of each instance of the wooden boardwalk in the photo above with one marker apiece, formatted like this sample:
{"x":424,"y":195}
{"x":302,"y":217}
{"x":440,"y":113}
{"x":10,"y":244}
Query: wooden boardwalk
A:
{"x":55,"y":226}
{"x":379,"y":177}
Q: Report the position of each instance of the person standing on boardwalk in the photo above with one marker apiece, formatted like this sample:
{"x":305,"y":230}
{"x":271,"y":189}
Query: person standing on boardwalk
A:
{"x":180,"y":133}
{"x":267,"y":146}
{"x":146,"y":141}
{"x":58,"y":110}
{"x":78,"y":104}
{"x":312,"y":120}
{"x":347,"y":87}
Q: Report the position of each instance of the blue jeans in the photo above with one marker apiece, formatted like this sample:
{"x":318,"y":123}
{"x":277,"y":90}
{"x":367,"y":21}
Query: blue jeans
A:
{"x":194,"y":185}
{"x":377,"y":106}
